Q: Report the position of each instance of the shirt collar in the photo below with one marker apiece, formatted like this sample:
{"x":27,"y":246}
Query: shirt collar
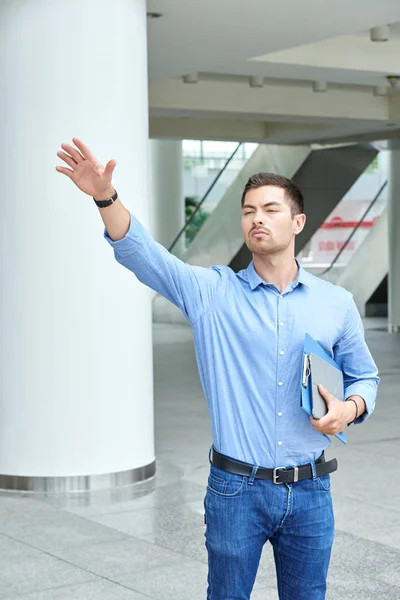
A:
{"x":255,"y":280}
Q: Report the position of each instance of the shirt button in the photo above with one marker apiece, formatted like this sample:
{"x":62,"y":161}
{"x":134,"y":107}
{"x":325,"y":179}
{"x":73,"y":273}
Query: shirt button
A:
{"x":280,"y":382}
{"x":281,"y":296}
{"x":281,"y":323}
{"x":280,"y":414}
{"x":279,"y":443}
{"x":281,"y":353}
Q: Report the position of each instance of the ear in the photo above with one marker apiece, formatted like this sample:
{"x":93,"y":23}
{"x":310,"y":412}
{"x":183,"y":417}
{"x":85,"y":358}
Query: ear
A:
{"x":300,"y":221}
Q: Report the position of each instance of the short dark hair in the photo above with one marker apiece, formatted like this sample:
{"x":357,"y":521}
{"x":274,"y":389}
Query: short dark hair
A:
{"x":293,"y":192}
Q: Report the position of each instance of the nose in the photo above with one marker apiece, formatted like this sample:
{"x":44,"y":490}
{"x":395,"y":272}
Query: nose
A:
{"x":258,"y":219}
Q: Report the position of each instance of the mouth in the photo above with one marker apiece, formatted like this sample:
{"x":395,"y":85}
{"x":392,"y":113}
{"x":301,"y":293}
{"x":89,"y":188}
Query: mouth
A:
{"x":258,"y":234}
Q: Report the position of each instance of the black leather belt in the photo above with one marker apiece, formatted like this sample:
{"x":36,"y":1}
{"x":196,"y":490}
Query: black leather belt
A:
{"x":277,"y":475}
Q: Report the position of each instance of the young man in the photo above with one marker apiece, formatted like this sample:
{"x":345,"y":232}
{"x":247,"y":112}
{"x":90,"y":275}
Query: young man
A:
{"x":269,"y":480}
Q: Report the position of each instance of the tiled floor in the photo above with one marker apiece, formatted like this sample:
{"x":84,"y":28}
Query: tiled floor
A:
{"x":147,"y":541}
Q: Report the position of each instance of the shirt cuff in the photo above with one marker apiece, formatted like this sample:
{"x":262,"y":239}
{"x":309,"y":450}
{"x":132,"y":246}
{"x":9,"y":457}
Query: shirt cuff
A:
{"x":128,"y":243}
{"x":367,"y":392}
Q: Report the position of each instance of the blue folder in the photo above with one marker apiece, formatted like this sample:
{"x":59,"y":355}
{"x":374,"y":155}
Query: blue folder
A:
{"x":311,"y":345}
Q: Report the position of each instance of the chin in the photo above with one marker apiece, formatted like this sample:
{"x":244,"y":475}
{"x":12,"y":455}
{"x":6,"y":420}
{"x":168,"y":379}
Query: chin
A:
{"x":259,"y":248}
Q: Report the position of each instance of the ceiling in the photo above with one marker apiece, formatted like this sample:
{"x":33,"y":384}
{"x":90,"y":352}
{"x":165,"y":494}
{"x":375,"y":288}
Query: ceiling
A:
{"x":289,"y":45}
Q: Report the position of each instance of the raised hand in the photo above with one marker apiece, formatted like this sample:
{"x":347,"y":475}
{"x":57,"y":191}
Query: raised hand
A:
{"x":86,"y":171}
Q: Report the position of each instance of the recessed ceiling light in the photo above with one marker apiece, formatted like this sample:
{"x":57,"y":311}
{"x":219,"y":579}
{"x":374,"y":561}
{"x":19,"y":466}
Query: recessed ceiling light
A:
{"x":256,"y":82}
{"x":154,"y":15}
{"x":191,"y":78}
{"x":320,"y":86}
{"x":379,"y":34}
{"x":394,"y":80}
{"x":380,"y":90}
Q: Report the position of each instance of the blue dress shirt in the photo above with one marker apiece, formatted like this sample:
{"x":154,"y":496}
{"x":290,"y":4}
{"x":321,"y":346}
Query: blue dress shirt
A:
{"x":249,"y":345}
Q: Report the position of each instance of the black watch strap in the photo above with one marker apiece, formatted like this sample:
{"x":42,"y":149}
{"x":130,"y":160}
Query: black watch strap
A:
{"x":105,"y":203}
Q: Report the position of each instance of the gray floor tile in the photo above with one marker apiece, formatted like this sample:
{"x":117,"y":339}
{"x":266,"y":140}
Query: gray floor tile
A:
{"x":97,"y":590}
{"x":150,"y":522}
{"x":174,"y":495}
{"x":365,"y":475}
{"x":36,"y":572}
{"x":184,"y":581}
{"x":48,"y":528}
{"x":188,"y":543}
{"x":370,"y":522}
{"x":108,"y":559}
{"x":361,"y":590}
{"x":370,"y":561}
{"x":11,"y":549}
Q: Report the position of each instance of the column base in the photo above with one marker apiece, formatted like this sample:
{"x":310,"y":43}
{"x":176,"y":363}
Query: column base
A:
{"x":78,"y":483}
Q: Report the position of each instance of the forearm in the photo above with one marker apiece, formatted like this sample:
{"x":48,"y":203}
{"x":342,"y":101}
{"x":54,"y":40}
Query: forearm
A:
{"x":115,"y":217}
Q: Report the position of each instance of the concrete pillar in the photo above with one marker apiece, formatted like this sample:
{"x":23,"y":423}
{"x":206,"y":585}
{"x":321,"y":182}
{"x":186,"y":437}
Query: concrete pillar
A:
{"x":167,"y":210}
{"x":394,"y":236}
{"x":76,"y":350}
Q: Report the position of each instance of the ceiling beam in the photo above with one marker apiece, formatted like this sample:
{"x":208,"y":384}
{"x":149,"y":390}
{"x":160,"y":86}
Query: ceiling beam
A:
{"x":272,"y":101}
{"x":261,"y":131}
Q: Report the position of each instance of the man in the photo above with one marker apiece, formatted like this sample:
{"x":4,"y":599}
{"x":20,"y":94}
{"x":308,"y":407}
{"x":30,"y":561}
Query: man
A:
{"x":269,"y":479}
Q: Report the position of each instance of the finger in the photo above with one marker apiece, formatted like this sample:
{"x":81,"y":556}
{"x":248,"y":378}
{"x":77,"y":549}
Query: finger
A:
{"x":110,"y":166}
{"x":321,"y":429}
{"x":68,"y":159}
{"x":83,"y":148}
{"x":323,"y":391}
{"x":67,"y":172}
{"x":324,"y":421}
{"x":73,"y":152}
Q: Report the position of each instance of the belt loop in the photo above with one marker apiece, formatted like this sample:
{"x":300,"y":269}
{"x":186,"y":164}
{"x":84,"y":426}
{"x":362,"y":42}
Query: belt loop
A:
{"x":252,"y":476}
{"x":209,"y":454}
{"x":314,"y":471}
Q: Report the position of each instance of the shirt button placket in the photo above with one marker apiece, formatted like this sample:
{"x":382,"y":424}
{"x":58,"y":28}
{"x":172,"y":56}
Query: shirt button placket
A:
{"x":281,"y":373}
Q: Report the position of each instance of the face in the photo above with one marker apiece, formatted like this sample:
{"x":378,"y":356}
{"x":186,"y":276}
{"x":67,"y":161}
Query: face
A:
{"x":267,"y":223}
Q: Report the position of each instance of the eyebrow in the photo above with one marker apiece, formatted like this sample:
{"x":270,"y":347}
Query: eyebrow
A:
{"x":264,"y":205}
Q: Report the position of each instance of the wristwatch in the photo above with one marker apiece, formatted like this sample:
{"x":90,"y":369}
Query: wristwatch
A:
{"x":105,"y":203}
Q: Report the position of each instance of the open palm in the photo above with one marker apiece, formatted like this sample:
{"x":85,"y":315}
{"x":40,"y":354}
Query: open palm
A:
{"x":86,"y":171}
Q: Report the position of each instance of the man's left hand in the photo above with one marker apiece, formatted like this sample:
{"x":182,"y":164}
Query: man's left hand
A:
{"x":338,"y":416}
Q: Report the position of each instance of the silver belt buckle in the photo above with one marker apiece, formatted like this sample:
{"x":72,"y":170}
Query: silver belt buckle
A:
{"x":295,"y":475}
{"x":275,"y":475}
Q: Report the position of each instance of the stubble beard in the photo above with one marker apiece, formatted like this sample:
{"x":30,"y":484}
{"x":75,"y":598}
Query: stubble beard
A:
{"x":261,"y":247}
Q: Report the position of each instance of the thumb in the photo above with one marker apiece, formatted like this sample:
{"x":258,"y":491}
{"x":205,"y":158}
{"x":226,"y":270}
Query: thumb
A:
{"x":325,"y":394}
{"x":110,"y":166}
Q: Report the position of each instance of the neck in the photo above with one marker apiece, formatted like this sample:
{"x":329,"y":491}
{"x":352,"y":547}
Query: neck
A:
{"x":277,"y":269}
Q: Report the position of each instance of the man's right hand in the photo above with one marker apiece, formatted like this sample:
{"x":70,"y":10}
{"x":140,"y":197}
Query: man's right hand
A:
{"x":86,"y":172}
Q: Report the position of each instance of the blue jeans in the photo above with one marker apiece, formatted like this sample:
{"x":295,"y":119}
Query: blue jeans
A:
{"x":242,"y":513}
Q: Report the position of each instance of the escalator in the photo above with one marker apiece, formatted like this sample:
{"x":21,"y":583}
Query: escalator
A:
{"x":324,"y":175}
{"x":364,"y":270}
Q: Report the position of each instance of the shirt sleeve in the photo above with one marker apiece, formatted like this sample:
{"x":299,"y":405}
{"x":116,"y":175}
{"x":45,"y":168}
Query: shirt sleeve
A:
{"x":190,"y":288}
{"x":353,"y":356}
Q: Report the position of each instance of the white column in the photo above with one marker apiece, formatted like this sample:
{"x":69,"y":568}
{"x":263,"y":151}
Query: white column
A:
{"x":76,"y":350}
{"x":167,"y":210}
{"x":394,"y":237}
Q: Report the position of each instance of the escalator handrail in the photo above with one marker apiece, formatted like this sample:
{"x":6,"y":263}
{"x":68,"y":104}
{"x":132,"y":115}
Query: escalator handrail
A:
{"x":204,"y":198}
{"x":354,"y":230}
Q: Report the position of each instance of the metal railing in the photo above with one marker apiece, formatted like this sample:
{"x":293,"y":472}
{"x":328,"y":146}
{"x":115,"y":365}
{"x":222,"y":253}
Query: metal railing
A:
{"x":200,"y":204}
{"x":346,"y":243}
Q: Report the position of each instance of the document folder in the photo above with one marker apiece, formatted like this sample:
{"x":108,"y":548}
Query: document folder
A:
{"x":319,"y":368}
